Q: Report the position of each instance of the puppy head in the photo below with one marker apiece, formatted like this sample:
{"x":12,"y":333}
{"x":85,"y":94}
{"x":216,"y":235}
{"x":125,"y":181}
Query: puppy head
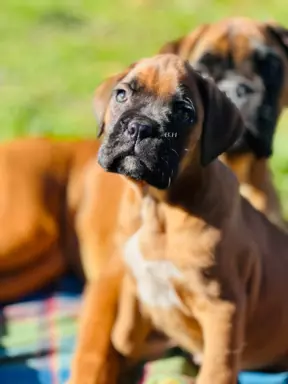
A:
{"x":159,"y":116}
{"x":249,"y":62}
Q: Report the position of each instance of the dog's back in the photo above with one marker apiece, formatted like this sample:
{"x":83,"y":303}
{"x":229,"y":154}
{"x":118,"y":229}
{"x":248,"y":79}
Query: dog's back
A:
{"x":58,"y":210}
{"x":34,"y":209}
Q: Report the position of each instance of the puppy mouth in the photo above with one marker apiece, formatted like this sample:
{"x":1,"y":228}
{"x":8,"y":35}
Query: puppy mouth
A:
{"x":122,"y":159}
{"x":129,"y":165}
{"x":137,"y":146}
{"x":151,"y":166}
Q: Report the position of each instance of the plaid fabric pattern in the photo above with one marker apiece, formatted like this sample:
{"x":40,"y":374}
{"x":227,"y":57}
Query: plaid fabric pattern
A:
{"x":37,"y":338}
{"x":38,"y":335}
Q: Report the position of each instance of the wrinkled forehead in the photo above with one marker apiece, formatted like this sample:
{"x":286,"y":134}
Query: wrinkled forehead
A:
{"x":237,"y":38}
{"x":159,"y":76}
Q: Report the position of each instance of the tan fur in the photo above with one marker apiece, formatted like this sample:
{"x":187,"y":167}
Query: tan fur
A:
{"x":51,"y":199}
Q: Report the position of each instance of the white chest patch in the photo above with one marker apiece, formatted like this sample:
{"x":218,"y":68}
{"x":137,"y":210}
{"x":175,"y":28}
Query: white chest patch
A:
{"x":153,"y":277}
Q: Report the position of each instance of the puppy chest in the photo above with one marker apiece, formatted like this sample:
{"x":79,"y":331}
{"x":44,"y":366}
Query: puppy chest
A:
{"x":156,"y":292}
{"x":153,"y":277}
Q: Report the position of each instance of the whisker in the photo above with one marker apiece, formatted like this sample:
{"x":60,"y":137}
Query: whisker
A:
{"x":169,"y":182}
{"x":164,"y":160}
{"x":175,"y":152}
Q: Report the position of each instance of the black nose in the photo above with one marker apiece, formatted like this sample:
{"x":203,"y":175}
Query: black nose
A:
{"x":139,"y":129}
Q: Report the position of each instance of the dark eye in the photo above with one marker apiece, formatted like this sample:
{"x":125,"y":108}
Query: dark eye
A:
{"x":183,"y":112}
{"x":210,"y":59}
{"x":121,"y":95}
{"x":243,"y":90}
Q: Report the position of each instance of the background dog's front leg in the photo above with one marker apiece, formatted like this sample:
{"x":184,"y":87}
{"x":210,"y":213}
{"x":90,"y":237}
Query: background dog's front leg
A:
{"x":223,"y":327}
{"x":95,"y":360}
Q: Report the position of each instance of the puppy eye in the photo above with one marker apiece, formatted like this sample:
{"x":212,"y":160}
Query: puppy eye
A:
{"x":183,"y":112}
{"x":121,"y":95}
{"x":244,"y":90}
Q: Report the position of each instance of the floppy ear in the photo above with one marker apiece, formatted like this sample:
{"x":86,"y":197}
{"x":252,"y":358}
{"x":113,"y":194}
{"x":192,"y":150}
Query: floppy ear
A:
{"x":101,"y":100}
{"x":280,"y":35}
{"x":102,"y":97}
{"x":223,"y":123}
{"x":172,"y":46}
{"x":185,"y":45}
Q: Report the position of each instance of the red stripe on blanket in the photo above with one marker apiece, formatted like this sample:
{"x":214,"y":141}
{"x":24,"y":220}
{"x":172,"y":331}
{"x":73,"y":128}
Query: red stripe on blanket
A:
{"x":51,"y":307}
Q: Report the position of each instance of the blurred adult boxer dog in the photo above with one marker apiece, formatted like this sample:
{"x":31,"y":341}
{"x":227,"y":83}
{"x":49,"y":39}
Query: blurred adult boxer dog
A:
{"x":205,"y":266}
{"x":60,"y":210}
{"x":248,"y":61}
{"x":57,"y":211}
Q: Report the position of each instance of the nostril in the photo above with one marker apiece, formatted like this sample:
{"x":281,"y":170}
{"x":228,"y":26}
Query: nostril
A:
{"x":145,"y":130}
{"x":132,"y":129}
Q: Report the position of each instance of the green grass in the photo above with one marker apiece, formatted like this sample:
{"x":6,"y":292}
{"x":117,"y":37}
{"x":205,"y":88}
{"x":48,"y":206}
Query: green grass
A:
{"x":54,"y":53}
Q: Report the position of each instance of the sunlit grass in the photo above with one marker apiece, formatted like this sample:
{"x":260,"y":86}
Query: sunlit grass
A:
{"x":54,"y":53}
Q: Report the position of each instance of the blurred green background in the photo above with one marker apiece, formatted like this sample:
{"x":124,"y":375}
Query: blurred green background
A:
{"x":53,"y":53}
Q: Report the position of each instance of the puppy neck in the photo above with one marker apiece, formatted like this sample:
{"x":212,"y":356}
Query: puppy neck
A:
{"x":208,"y":193}
{"x":190,"y":177}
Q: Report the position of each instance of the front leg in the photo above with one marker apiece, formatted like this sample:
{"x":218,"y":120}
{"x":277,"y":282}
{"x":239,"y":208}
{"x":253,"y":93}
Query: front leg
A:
{"x":223,"y":328}
{"x":132,"y":326}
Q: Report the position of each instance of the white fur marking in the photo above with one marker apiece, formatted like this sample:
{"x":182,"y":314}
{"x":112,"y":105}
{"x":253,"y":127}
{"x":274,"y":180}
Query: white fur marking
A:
{"x":247,"y":103}
{"x":153,"y":277}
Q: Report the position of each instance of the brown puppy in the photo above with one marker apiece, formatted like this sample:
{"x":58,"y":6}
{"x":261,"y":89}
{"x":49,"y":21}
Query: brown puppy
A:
{"x":249,"y":62}
{"x":205,"y":267}
{"x":54,"y":212}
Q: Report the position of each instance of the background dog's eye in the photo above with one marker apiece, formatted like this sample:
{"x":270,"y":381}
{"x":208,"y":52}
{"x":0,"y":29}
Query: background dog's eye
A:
{"x":183,"y":112}
{"x":243,"y":90}
{"x":210,"y":59}
{"x":121,"y":95}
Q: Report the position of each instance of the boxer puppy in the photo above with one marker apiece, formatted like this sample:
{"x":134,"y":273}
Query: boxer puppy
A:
{"x":248,"y":60}
{"x":205,"y":267}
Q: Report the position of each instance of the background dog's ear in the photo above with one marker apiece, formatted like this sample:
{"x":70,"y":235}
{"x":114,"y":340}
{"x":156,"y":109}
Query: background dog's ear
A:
{"x":222,"y":125}
{"x":172,"y":46}
{"x":280,"y":34}
{"x":102,"y":97}
{"x":185,"y":45}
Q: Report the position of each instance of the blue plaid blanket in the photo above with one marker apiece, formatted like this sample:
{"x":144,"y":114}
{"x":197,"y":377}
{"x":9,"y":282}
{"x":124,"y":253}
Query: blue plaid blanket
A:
{"x":37,"y":338}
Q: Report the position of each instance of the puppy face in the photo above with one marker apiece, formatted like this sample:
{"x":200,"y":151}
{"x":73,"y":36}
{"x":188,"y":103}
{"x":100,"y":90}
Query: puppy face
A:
{"x":249,"y":64}
{"x":156,"y":114}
